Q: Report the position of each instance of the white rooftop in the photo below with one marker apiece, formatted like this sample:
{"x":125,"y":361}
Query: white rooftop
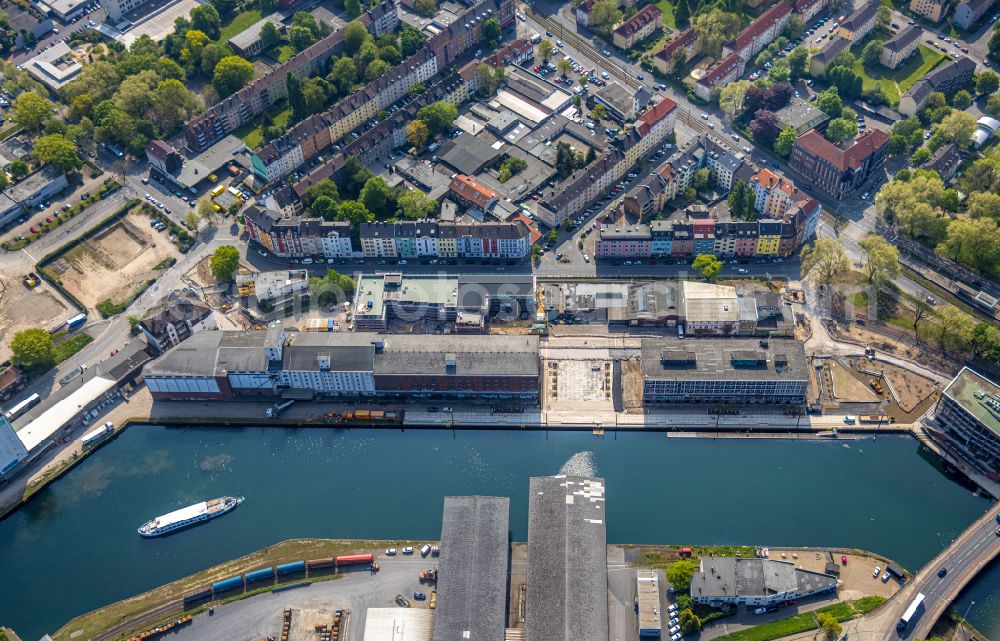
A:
{"x":54,"y":67}
{"x":398,"y":624}
{"x":53,"y":419}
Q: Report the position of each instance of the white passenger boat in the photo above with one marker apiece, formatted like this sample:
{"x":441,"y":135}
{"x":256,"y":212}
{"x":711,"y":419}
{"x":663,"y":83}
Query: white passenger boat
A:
{"x":188,"y":516}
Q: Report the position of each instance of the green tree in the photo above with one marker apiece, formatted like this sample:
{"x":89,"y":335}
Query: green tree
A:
{"x":881,"y":260}
{"x":224,"y":262}
{"x":564,"y":67}
{"x":33,"y":350}
{"x":974,"y":242}
{"x":598,"y":112}
{"x":604,"y":15}
{"x":841,"y":129}
{"x":827,"y":622}
{"x":714,"y":28}
{"x":269,"y":35}
{"x":682,"y":13}
{"x":224,"y":7}
{"x":18,"y":169}
{"x":59,"y":152}
{"x":414,"y":205}
{"x":956,"y":127}
{"x":779,"y":72}
{"x":920,"y":156}
{"x":783,"y":143}
{"x":301,"y":38}
{"x":355,"y":34}
{"x":492,"y":32}
{"x":31,"y":110}
{"x":798,"y":61}
{"x":545,"y":50}
{"x":231,"y":74}
{"x":871,"y":54}
{"x":953,"y":328}
{"x":987,"y":83}
{"x":511,"y":167}
{"x":679,"y":573}
{"x":983,"y":204}
{"x":950,"y":201}
{"x":314,"y":95}
{"x":352,"y":8}
{"x":191,"y":221}
{"x":331,"y":288}
{"x":438,"y":116}
{"x":827,"y":259}
{"x":205,"y":18}
{"x":324,"y":188}
{"x":296,"y":99}
{"x":732,"y":98}
{"x":354,"y":212}
{"x":828,"y":101}
{"x":689,"y":622}
{"x":410,"y":40}
{"x":375,"y":69}
{"x":417,"y":133}
{"x":426,"y":8}
{"x":741,"y":201}
{"x":375,"y":196}
{"x":961,"y":99}
{"x":702,"y":177}
{"x":344,"y":74}
{"x":709,"y":266}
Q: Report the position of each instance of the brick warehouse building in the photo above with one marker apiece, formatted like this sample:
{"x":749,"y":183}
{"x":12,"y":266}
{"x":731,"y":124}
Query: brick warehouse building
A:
{"x":839,"y":170}
{"x":235,"y":365}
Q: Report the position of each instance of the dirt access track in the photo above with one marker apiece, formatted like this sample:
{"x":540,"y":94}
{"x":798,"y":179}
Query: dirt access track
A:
{"x":112,"y":264}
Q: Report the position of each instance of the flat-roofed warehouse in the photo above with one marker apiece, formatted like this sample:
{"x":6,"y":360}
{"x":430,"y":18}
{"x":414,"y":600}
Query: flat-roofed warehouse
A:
{"x":398,"y":624}
{"x":647,"y":588}
{"x":472,"y":572}
{"x":567,"y":598}
{"x":724,"y":371}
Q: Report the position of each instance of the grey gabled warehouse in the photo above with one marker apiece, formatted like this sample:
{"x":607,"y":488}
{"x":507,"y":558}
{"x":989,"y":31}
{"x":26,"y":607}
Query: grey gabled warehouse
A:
{"x":472,"y":573}
{"x":567,"y":598}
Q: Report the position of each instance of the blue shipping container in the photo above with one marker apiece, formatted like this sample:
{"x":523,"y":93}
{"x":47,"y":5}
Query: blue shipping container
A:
{"x":289,"y":568}
{"x":227,"y":584}
{"x":260,"y":575}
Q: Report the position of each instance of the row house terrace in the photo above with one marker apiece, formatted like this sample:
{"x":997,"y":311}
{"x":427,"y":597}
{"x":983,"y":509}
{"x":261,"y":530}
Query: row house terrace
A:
{"x":251,"y":101}
{"x":317,"y":133}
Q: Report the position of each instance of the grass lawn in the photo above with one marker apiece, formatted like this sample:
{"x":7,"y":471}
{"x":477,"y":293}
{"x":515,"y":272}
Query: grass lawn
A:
{"x":239,"y":22}
{"x":282,"y":53}
{"x":668,"y":13}
{"x":253,"y":135}
{"x":71,"y":346}
{"x":805,"y":621}
{"x":896,"y":81}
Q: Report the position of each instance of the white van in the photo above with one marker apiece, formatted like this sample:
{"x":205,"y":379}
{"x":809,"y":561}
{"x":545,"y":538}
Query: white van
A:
{"x":850,"y":420}
{"x":424,"y":551}
{"x":535,"y":38}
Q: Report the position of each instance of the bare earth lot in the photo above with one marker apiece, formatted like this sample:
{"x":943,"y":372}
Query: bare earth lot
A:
{"x":21,"y":308}
{"x":112,"y":264}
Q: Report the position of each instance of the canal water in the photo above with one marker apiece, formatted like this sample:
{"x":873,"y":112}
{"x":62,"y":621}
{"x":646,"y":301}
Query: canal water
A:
{"x":75,"y":548}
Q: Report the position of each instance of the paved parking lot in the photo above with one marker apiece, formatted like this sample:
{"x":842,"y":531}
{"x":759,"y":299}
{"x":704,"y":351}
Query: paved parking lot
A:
{"x":260,"y":616}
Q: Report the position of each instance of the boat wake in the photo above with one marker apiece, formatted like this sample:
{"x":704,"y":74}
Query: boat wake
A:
{"x":580,"y":464}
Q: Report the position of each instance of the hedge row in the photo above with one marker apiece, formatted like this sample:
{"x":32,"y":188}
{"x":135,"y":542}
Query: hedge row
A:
{"x":62,"y":216}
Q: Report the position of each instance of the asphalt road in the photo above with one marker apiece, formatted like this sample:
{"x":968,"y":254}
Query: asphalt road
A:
{"x":965,"y":557}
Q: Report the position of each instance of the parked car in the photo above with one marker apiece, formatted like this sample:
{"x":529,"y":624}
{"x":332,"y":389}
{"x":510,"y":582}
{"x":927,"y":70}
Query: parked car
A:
{"x":407,"y":550}
{"x":419,"y":596}
{"x":401,"y":601}
{"x":675,"y":629}
{"x":760,"y":611}
{"x":885,"y":577}
{"x":390,"y":552}
{"x":876,"y":571}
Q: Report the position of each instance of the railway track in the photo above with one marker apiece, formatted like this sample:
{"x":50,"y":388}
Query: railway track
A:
{"x":143,"y":621}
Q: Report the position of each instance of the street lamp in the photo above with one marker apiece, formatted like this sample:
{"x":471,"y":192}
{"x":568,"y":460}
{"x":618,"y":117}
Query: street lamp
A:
{"x":967,"y":611}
